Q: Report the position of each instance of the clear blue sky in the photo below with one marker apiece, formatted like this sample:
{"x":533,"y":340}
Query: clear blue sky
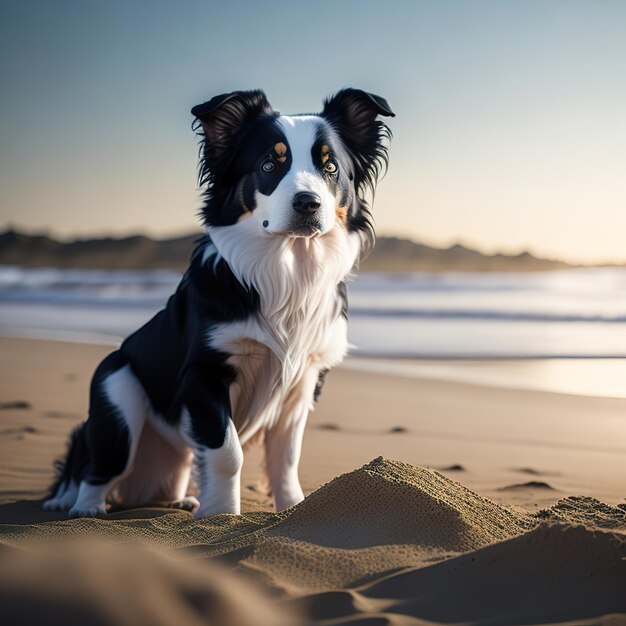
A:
{"x":510,"y":130}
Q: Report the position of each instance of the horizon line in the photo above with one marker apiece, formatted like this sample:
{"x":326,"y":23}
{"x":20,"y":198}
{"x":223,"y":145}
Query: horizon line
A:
{"x":384,"y":233}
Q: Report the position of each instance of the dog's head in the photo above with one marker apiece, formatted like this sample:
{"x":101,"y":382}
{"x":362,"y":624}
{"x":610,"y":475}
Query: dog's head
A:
{"x":295,"y":175}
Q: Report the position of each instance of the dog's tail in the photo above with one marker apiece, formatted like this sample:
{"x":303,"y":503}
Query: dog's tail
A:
{"x":71,"y":467}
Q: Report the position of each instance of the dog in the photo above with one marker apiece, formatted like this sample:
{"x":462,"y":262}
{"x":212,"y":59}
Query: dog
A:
{"x":241,"y":349}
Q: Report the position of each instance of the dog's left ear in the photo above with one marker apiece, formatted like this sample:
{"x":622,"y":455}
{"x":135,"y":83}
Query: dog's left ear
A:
{"x":224,"y":116}
{"x":352,"y":113}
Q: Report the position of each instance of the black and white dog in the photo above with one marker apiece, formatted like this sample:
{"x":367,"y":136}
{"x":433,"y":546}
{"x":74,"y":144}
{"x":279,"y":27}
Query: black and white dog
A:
{"x":241,"y":349}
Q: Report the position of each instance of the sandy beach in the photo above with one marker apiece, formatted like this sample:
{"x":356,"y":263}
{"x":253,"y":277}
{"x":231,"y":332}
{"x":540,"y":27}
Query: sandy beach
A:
{"x":429,"y":501}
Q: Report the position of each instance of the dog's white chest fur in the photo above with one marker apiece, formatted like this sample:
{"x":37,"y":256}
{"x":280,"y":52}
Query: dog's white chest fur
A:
{"x":298,"y":330}
{"x":272,"y":377}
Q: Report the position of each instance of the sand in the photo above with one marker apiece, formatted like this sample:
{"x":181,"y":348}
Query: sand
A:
{"x":402,"y":538}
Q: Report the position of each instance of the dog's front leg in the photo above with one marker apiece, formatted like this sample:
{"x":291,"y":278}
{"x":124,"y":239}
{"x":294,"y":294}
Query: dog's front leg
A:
{"x":283,"y":442}
{"x":208,"y":428}
{"x":219,"y":475}
{"x":283,"y":445}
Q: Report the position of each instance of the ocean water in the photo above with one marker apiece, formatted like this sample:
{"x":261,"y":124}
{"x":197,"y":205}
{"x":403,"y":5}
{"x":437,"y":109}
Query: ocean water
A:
{"x":559,"y":316}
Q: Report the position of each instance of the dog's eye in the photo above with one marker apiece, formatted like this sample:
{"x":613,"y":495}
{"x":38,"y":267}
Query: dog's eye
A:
{"x":268,"y":166}
{"x":330,"y":167}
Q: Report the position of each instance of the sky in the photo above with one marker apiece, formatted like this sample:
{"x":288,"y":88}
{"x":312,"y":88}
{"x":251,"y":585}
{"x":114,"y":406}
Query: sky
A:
{"x":510,"y":132}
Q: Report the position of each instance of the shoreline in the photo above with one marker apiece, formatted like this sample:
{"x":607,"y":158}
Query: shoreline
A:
{"x":600,"y":376}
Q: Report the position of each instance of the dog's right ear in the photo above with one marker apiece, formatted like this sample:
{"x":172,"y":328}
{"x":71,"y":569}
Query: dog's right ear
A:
{"x":224,"y":116}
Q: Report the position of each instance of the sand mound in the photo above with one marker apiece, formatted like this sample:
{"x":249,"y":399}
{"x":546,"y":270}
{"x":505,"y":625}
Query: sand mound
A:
{"x":388,"y":502}
{"x":551,"y":574}
{"x":586,"y":511}
{"x":383,"y":516}
{"x":388,"y":543}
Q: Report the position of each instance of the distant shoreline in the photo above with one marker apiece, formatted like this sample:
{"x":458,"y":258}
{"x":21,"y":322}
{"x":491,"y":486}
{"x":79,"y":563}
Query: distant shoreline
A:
{"x":391,"y":254}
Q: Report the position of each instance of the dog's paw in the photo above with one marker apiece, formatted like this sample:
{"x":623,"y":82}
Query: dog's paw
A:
{"x":288,"y":499}
{"x":54,"y":504}
{"x":60,"y":503}
{"x":88,"y":511}
{"x":203,"y":512}
{"x":189,"y":503}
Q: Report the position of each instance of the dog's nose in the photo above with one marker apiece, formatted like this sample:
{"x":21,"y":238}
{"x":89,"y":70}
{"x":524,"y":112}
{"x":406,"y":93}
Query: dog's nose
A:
{"x":306,"y":203}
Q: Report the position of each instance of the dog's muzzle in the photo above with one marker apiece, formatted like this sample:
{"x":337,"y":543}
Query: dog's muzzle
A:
{"x":306,"y":203}
{"x":306,"y":221}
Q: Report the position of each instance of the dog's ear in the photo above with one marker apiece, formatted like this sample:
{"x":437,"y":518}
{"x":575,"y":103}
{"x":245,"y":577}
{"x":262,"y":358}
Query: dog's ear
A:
{"x":353,"y":113}
{"x":224,"y":116}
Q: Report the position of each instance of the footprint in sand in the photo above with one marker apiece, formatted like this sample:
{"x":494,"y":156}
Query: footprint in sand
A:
{"x":531,"y":484}
{"x":527,"y":470}
{"x":329,"y":426}
{"x":533,"y":472}
{"x":15,"y":404}
{"x":62,"y":414}
{"x":456,"y":467}
{"x":260,"y":489}
{"x":19,"y":432}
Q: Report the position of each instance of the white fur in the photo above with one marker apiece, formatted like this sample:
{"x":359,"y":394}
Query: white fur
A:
{"x":125,"y":391}
{"x":296,"y":279}
{"x":299,"y":326}
{"x":91,"y":500}
{"x":218,"y":472}
{"x":283,"y":442}
{"x":63,"y":499}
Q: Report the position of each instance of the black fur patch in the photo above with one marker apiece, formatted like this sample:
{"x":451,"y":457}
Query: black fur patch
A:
{"x":205,"y":394}
{"x":353,"y":115}
{"x":238,"y":178}
{"x":238,"y":134}
{"x":342,"y":294}
{"x":175,"y":340}
{"x":321,"y":379}
{"x":71,"y":467}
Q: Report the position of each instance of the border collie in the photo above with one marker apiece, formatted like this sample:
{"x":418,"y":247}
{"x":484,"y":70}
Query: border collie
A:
{"x":241,"y":349}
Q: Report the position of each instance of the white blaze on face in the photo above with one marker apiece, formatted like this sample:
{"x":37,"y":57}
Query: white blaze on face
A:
{"x":301,"y":133}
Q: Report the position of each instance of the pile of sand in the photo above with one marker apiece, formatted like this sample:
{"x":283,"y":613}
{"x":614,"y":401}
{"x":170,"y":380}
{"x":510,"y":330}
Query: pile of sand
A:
{"x":551,"y":574}
{"x":390,"y":540}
